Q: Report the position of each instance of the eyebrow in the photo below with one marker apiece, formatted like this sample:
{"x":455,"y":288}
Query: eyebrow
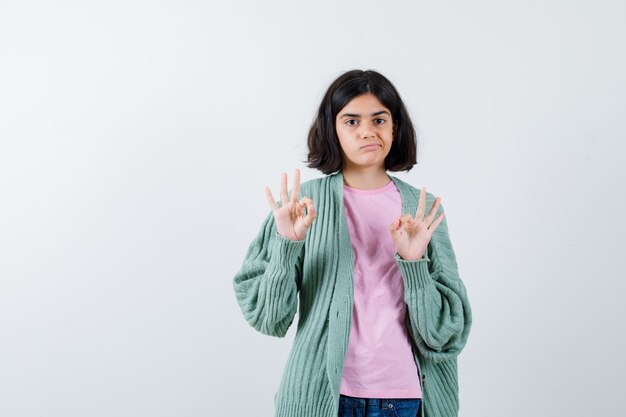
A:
{"x":358,"y":115}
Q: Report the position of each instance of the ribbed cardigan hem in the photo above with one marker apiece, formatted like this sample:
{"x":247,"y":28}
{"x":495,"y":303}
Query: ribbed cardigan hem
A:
{"x":323,"y":408}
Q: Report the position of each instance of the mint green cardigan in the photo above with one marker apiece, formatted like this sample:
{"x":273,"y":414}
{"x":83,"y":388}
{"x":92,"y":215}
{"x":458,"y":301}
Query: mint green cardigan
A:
{"x":315,"y":277}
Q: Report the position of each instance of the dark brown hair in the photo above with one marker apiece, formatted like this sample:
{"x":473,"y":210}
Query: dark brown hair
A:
{"x":323,"y":142}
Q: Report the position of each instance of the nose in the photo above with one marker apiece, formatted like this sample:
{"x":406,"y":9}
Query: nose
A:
{"x":366,"y":131}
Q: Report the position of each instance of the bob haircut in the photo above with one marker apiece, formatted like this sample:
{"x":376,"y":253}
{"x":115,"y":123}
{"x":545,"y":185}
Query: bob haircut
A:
{"x":323,"y":142}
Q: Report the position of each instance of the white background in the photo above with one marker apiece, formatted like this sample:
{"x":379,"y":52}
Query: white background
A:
{"x":136,"y":139}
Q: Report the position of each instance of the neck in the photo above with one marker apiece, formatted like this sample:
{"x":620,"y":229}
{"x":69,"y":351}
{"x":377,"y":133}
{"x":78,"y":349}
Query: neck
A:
{"x":365,"y":178}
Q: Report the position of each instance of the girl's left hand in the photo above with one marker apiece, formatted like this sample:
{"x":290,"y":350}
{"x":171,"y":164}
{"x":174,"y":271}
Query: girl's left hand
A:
{"x":412,"y":235}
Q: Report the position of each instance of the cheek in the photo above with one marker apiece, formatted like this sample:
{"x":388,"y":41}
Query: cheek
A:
{"x":342,"y":145}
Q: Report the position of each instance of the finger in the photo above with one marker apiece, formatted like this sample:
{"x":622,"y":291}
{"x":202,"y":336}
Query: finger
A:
{"x":408,"y":222}
{"x":295,"y":190}
{"x":393,"y":228}
{"x":433,"y":211}
{"x":433,"y":226}
{"x":270,"y":198}
{"x":306,"y":201}
{"x":406,"y":217}
{"x":395,"y":224}
{"x":283,"y":189}
{"x":311,"y":213}
{"x":421,"y":205}
{"x":310,"y":216}
{"x":410,"y":227}
{"x":402,"y":221}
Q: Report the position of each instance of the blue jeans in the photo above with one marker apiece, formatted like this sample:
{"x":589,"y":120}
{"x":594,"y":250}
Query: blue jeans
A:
{"x":378,"y":407}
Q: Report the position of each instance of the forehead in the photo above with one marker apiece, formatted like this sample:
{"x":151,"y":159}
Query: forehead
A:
{"x":363,"y":105}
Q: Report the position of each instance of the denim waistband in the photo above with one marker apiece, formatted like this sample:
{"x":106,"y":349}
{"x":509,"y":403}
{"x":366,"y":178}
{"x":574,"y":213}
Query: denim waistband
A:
{"x":378,"y":403}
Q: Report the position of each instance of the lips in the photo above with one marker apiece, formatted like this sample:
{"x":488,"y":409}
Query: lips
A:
{"x":369,"y":146}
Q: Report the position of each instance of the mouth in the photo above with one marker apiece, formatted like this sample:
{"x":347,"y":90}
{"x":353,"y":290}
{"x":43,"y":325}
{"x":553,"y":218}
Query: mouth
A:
{"x":370,"y":146}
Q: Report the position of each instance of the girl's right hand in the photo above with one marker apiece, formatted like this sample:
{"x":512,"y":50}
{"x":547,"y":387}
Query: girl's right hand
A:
{"x":291,"y":222}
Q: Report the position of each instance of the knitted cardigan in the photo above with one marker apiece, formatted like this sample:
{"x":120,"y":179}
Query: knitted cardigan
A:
{"x":315,"y":277}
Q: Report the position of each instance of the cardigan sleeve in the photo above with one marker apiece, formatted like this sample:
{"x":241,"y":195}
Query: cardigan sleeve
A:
{"x":438,"y":310}
{"x":267,"y":283}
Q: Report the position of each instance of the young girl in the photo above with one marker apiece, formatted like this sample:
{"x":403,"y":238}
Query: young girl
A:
{"x":366,"y":260}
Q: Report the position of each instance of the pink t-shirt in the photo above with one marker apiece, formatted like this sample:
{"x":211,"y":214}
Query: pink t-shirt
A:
{"x":379,"y":362}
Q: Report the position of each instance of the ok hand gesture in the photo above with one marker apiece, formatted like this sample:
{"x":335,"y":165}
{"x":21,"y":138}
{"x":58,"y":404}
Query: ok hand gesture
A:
{"x":291,"y":222}
{"x":412,"y":235}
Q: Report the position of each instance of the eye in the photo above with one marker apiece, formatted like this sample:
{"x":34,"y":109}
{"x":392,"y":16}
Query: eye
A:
{"x":381,"y":121}
{"x":350,"y":120}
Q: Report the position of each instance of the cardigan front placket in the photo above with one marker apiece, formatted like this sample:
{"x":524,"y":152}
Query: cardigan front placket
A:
{"x":342,"y":303}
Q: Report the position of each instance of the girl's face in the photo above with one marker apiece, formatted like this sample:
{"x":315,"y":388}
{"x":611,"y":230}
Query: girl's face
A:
{"x":365,"y":132}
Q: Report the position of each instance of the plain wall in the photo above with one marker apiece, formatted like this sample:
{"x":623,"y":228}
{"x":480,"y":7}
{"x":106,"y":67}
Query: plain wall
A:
{"x":136,"y":139}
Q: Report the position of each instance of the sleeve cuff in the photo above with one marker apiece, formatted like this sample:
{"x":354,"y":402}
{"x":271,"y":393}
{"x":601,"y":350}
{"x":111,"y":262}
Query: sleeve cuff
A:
{"x":415,"y":271}
{"x":285,"y":251}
